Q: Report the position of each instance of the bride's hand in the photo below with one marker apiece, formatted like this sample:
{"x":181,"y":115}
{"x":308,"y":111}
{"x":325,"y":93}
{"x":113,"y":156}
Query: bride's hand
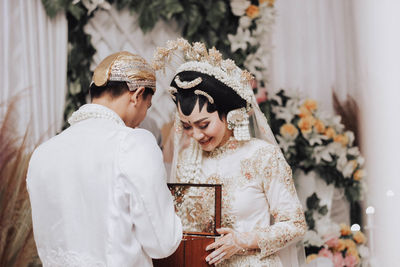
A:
{"x":230,"y":243}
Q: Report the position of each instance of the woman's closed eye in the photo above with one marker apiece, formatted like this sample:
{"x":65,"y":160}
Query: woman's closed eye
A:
{"x":203,"y":126}
{"x":186,"y":126}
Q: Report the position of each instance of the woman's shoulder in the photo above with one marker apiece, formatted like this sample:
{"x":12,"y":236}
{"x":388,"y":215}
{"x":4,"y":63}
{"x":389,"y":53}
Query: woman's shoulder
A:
{"x":256,"y":145}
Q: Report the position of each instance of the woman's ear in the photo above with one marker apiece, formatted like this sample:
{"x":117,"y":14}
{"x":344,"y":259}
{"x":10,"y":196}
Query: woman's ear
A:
{"x":137,"y":95}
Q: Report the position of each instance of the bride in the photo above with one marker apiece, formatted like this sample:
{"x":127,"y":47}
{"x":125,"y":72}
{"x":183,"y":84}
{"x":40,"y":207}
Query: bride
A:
{"x":231,"y":143}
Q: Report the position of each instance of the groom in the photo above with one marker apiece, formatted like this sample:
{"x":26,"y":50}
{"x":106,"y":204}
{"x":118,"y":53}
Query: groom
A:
{"x":98,"y":190}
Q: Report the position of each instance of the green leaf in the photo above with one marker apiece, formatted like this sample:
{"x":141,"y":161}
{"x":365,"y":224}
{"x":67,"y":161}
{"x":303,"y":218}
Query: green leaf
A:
{"x":171,"y":8}
{"x":215,"y":14}
{"x":308,"y":214}
{"x":52,"y":7}
{"x":77,"y":11}
{"x":313,"y":202}
{"x":323,"y":210}
{"x":194,"y":20}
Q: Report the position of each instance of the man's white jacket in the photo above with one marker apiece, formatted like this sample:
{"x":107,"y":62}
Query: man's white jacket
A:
{"x":99,"y":196}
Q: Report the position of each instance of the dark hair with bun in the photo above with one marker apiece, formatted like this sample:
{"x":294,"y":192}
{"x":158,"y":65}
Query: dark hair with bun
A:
{"x":225,"y":98}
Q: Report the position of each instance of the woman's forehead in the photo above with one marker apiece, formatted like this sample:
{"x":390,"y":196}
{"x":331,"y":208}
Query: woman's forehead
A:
{"x":196,"y":114}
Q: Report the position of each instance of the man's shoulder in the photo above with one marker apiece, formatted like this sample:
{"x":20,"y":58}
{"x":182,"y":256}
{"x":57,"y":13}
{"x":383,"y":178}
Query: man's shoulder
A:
{"x":139,"y":135}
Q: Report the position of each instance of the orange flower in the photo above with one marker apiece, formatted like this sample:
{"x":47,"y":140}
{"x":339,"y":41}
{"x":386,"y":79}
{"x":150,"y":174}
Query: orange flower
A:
{"x":359,"y":237}
{"x":305,"y":124}
{"x":340,"y":245}
{"x":319,"y":126}
{"x":341,"y":138}
{"x":350,"y":244}
{"x":330,"y":132}
{"x":354,"y":163}
{"x":345,"y":229}
{"x":304,"y":112}
{"x":288,"y":129}
{"x":353,"y":251}
{"x":252,"y":11}
{"x":358,"y":175}
{"x":311,"y":257}
{"x":270,"y":2}
{"x":310,"y":104}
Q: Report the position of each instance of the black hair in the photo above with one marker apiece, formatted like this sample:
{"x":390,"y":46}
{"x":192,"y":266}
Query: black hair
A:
{"x":114,"y":89}
{"x":225,"y":98}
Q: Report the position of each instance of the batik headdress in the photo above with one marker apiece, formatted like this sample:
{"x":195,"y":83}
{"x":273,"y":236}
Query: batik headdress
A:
{"x":125,"y":67}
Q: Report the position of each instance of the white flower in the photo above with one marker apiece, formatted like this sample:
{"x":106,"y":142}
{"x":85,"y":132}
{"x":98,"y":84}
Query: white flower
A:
{"x":363,"y":251}
{"x":244,"y":22}
{"x":285,"y":143}
{"x":338,"y":149}
{"x":322,"y":152}
{"x":345,"y":167}
{"x":313,"y":239}
{"x":353,"y":151}
{"x":287,"y":113}
{"x":314,"y":138}
{"x":277,"y":98}
{"x":91,"y":5}
{"x":239,"y":7}
{"x":360,"y":160}
{"x":350,"y":135}
{"x":239,"y":40}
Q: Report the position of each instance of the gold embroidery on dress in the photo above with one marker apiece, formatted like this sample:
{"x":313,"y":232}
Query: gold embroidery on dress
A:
{"x":266,"y":166}
{"x":231,"y":145}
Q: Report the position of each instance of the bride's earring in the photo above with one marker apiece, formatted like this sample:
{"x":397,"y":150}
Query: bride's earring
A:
{"x":238,"y":121}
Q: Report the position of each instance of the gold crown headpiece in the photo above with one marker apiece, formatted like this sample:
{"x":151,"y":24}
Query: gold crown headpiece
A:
{"x":197,"y":58}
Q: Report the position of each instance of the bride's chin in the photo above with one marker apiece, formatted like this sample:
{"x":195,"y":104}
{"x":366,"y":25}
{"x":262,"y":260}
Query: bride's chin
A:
{"x":208,"y":147}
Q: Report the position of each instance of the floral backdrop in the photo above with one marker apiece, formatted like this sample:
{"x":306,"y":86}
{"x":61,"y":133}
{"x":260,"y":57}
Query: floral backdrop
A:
{"x":311,"y":139}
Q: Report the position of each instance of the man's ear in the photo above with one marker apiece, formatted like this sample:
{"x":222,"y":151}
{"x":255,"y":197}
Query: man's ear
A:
{"x":137,"y":95}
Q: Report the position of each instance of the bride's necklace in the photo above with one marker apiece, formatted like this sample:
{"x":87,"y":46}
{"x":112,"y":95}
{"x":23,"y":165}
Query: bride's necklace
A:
{"x":230,"y":145}
{"x":89,"y":111}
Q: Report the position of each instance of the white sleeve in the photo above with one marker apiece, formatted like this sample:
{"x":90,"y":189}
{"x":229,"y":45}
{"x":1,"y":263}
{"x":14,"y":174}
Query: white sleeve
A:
{"x":157,"y":227}
{"x":289,"y":224}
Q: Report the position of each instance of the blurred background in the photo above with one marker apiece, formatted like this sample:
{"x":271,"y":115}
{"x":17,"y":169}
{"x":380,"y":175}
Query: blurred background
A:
{"x":327,"y":76}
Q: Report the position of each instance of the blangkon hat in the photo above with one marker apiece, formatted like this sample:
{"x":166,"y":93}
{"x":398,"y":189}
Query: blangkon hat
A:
{"x":125,"y":67}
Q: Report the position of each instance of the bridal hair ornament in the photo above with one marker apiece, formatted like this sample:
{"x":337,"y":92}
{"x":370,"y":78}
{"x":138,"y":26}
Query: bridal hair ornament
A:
{"x":125,"y":67}
{"x":238,"y":121}
{"x":187,"y":85}
{"x":181,"y":56}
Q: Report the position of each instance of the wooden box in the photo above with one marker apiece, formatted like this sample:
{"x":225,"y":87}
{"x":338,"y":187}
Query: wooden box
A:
{"x":200,"y":216}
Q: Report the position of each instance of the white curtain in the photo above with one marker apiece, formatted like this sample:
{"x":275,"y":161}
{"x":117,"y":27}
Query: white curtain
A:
{"x":33,"y":62}
{"x":314,"y":49}
{"x":378,"y":68}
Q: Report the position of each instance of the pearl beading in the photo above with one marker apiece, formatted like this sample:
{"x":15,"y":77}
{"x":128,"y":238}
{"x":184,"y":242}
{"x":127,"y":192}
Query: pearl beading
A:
{"x":90,"y":111}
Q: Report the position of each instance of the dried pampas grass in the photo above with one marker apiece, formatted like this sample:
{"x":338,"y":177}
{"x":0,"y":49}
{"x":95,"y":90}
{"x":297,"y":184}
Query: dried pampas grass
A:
{"x":17,"y":246}
{"x":349,"y":112}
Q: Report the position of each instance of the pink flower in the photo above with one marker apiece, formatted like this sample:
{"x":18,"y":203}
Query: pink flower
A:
{"x":350,"y":261}
{"x":333,"y":242}
{"x":325,"y":253}
{"x":261,"y":95}
{"x":338,"y":260}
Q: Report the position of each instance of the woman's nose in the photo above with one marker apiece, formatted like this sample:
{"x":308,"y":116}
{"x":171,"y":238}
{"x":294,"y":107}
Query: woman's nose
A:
{"x":197,"y":134}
